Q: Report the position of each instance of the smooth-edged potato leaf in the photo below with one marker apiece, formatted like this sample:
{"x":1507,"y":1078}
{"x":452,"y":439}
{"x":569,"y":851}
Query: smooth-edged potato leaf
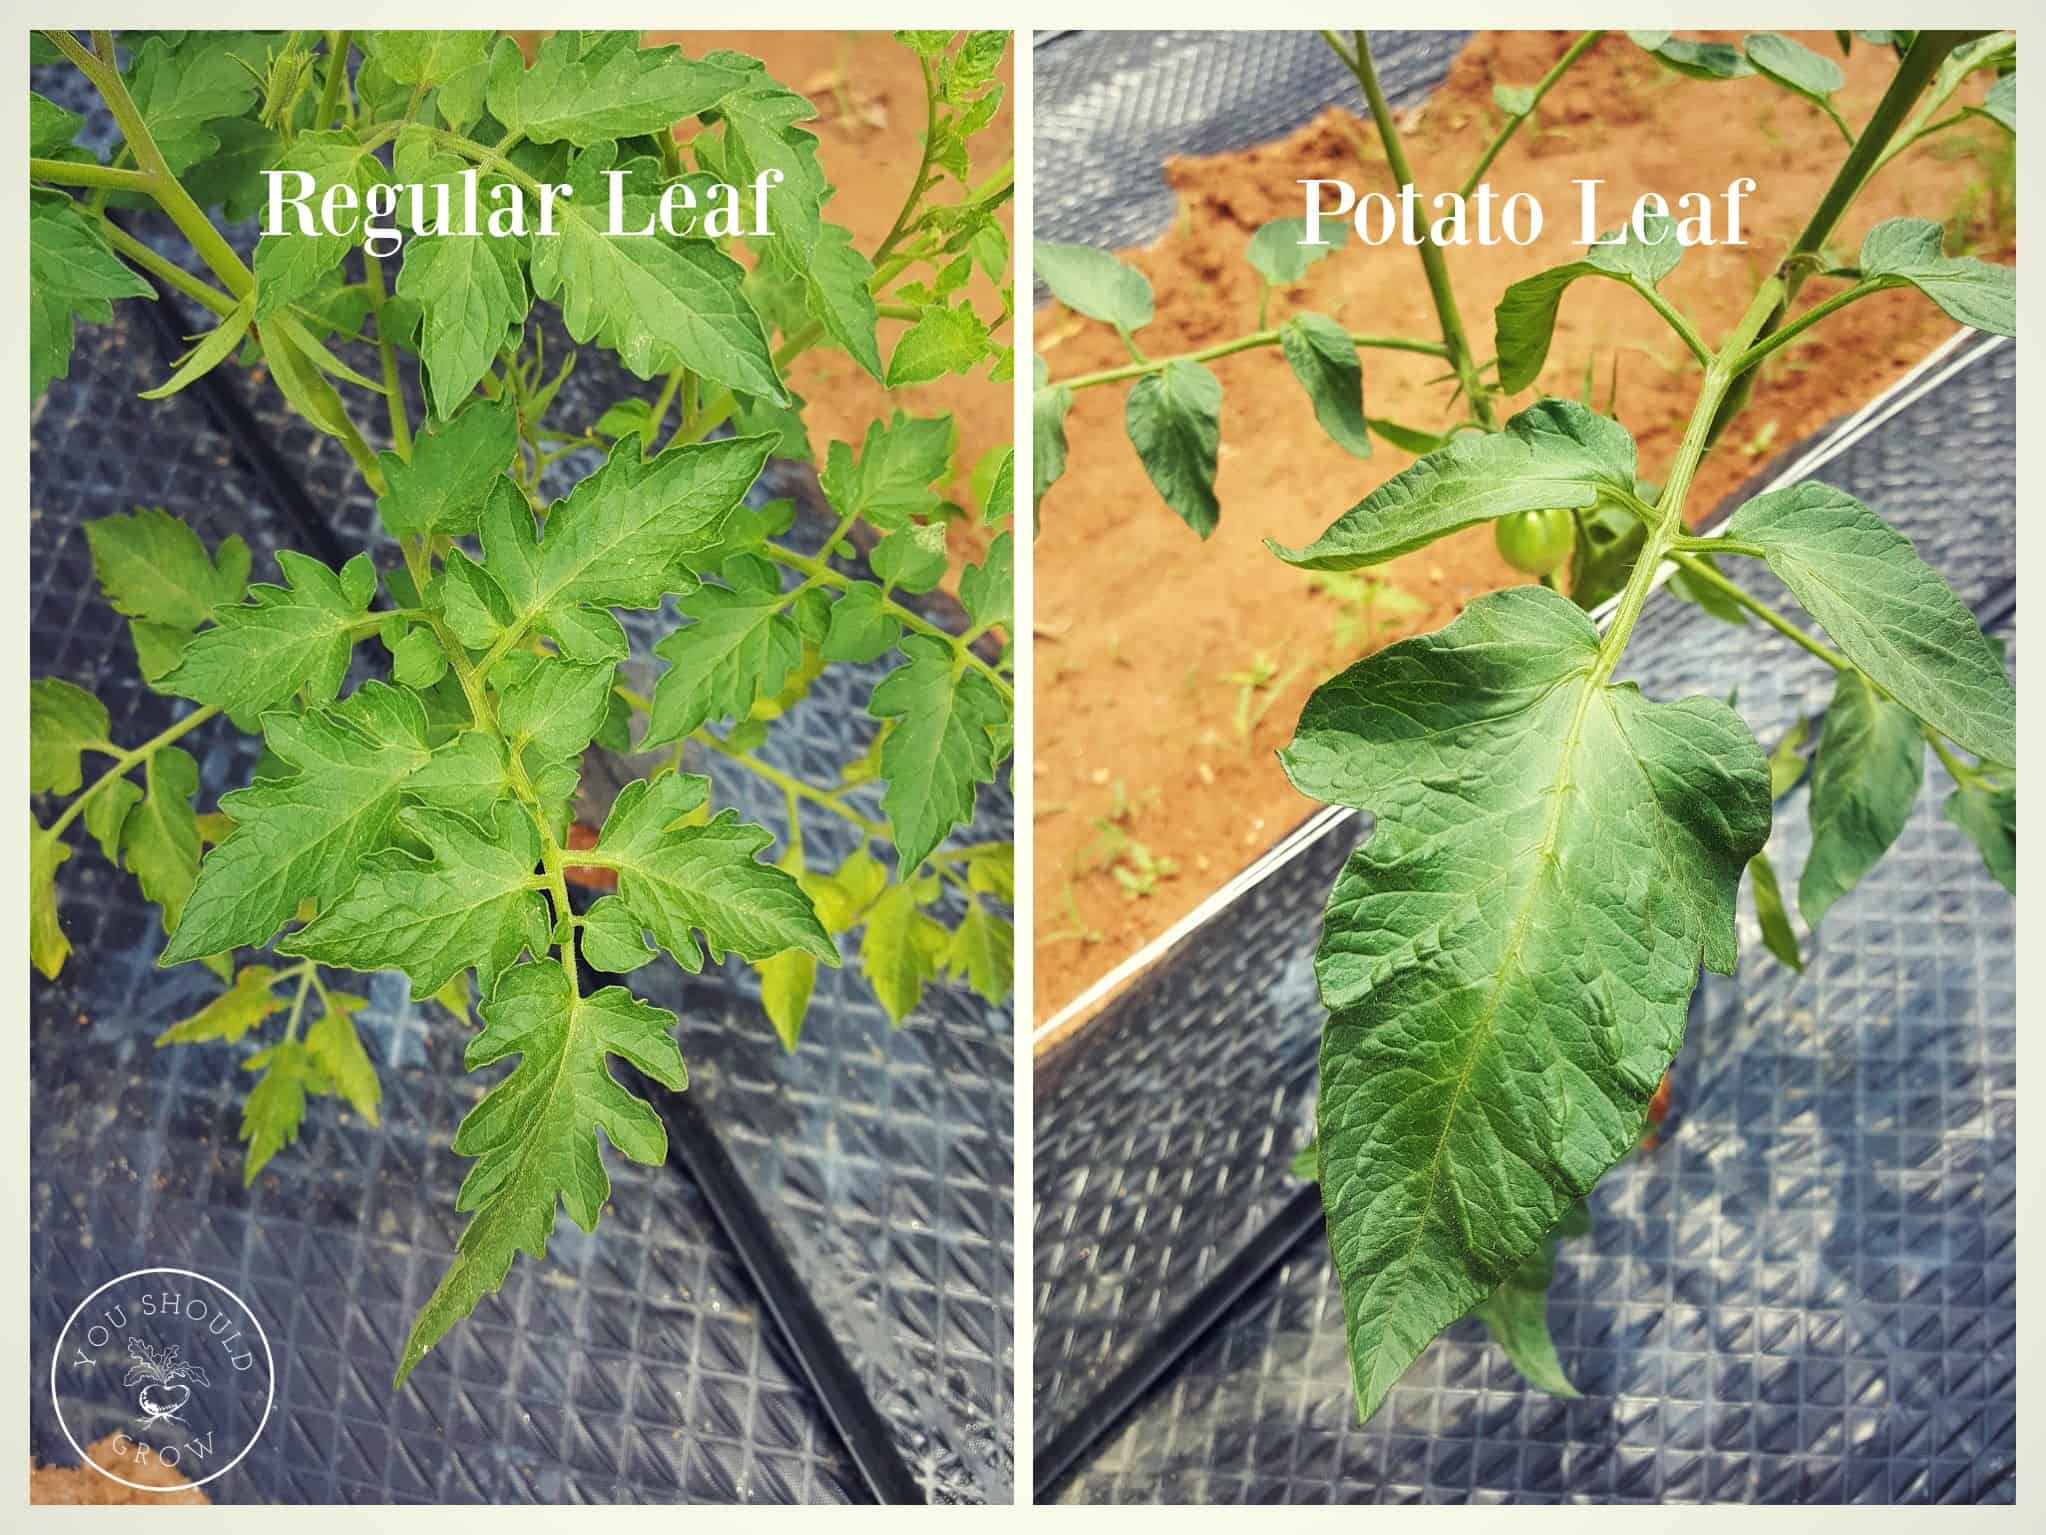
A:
{"x":1275,"y":250}
{"x":659,"y":304}
{"x":1324,"y":359}
{"x":740,"y":646}
{"x":534,"y":1134}
{"x":1778,"y":936}
{"x":469,"y":903}
{"x":1094,"y":283}
{"x":64,"y":721}
{"x":1555,"y":453}
{"x":1887,"y":610}
{"x":1049,"y":406}
{"x":281,"y":641}
{"x":1910,"y":252}
{"x":1508,"y":960}
{"x":942,"y":748}
{"x":73,"y":275}
{"x":1525,"y":318}
{"x":455,"y":466}
{"x":305,"y":835}
{"x":1989,"y":815}
{"x":1517,"y":1316}
{"x":1793,"y":66}
{"x":679,"y":880}
{"x":1696,"y":61}
{"x":1174,"y":418}
{"x":2000,"y":105}
{"x":1866,"y":776}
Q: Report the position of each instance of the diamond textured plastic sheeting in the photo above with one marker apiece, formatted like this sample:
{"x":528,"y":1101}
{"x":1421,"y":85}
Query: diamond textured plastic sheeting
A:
{"x":1111,"y":106}
{"x":1806,"y":1294}
{"x":882,"y":1158}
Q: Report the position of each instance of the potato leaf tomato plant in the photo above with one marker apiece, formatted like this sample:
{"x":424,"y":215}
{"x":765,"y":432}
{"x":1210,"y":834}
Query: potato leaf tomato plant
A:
{"x":420,"y":821}
{"x":1508,"y":959}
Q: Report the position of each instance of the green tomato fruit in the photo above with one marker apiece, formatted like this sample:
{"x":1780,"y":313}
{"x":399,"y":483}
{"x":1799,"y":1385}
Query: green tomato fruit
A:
{"x":1535,"y":543}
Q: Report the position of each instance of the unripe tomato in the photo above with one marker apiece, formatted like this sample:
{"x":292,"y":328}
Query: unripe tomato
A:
{"x":1535,"y":543}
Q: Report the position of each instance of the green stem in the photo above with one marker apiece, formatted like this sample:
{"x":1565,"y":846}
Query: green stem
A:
{"x":1453,"y":337}
{"x":918,"y":184}
{"x":1242,"y":343}
{"x":1705,"y":575}
{"x":157,"y":265}
{"x":337,"y":73}
{"x":1686,"y":332}
{"x":305,"y":985}
{"x":1962,"y":773}
{"x":394,"y":391}
{"x":792,"y":786}
{"x":1570,"y":56}
{"x":123,"y":761}
{"x":86,"y":173}
{"x":1777,"y":339}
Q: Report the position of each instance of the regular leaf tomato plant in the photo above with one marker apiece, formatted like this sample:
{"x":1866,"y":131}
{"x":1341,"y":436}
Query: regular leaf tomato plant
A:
{"x":1508,"y":959}
{"x":421,"y":822}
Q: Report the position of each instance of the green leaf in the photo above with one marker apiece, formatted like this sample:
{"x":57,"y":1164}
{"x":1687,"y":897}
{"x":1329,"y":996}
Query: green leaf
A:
{"x":1174,"y":419}
{"x":1697,"y":61}
{"x":1513,"y":100}
{"x":417,"y":660}
{"x":760,"y":135}
{"x":1887,"y":610}
{"x":2000,"y":105}
{"x":1525,"y":318}
{"x":231,"y":1014}
{"x":912,"y":558}
{"x":469,"y":903}
{"x":787,"y":980}
{"x":1516,"y":1314}
{"x":740,"y":646}
{"x":305,"y":836}
{"x":589,"y":99}
{"x":455,"y":466}
{"x":835,"y":290}
{"x":105,"y":813}
{"x":1324,"y":359}
{"x":899,"y":463}
{"x":708,"y":877}
{"x":1406,"y":438}
{"x":430,"y":58}
{"x":282,"y":641}
{"x":1866,"y":776}
{"x":456,"y":998}
{"x":160,"y":835}
{"x":1793,"y":66}
{"x":1553,"y":454}
{"x":557,"y":707}
{"x":862,"y":628}
{"x":51,"y":128}
{"x":1276,"y":251}
{"x":988,"y":589}
{"x":47,"y":945}
{"x":625,"y":537}
{"x":1989,"y":815}
{"x":614,"y":938}
{"x":275,"y":1107}
{"x":998,"y":499}
{"x":181,"y":91}
{"x":1049,"y":408}
{"x":533,"y":1135}
{"x":1094,"y":284}
{"x":1786,"y":762}
{"x":230,"y":178}
{"x":211,"y":349}
{"x":336,"y":1051}
{"x":659,"y":304}
{"x":291,"y":263}
{"x":900,"y":949}
{"x":471,"y":293}
{"x":1778,"y":936}
{"x":942,"y":341}
{"x":63,"y":722}
{"x":983,"y":951}
{"x":1909,"y":252}
{"x":943,"y":745}
{"x":73,"y":275}
{"x":1508,"y":960}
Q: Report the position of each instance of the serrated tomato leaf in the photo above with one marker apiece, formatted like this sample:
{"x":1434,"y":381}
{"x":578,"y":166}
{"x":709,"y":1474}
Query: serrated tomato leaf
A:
{"x":942,"y":748}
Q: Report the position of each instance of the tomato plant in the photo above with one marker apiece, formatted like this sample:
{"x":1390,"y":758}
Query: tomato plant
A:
{"x":1507,"y":960}
{"x":420,"y":822}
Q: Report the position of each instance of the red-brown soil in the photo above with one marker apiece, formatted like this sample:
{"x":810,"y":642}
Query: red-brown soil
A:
{"x":1137,"y":619}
